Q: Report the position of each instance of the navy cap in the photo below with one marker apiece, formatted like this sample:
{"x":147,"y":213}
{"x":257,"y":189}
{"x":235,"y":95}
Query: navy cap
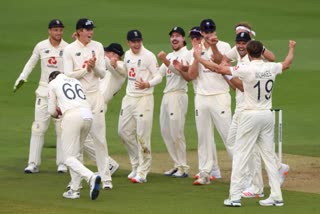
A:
{"x":134,"y":35}
{"x":243,"y":36}
{"x":177,"y":30}
{"x":207,"y":25}
{"x":116,"y":48}
{"x":195,"y":32}
{"x":55,"y":23}
{"x":84,"y":23}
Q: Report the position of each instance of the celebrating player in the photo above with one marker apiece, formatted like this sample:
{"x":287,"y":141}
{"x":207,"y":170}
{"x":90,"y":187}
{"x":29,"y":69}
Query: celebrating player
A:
{"x":50,"y":52}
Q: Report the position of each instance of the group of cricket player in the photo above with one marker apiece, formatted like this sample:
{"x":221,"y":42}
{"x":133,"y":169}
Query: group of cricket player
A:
{"x":79,"y":79}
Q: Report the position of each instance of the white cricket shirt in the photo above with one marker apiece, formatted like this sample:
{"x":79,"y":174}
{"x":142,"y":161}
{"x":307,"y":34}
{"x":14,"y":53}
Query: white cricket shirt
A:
{"x":66,"y":93}
{"x":51,"y":60}
{"x":75,"y":58}
{"x":209,"y":82}
{"x":142,"y":65}
{"x":258,"y":78}
{"x":175,"y":81}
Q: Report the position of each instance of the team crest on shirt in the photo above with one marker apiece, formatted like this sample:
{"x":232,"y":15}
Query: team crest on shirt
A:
{"x":169,"y":73}
{"x":46,"y":51}
{"x":78,"y":54}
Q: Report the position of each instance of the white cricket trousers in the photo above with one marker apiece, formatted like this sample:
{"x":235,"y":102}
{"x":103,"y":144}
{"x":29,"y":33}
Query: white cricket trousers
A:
{"x":75,"y":129}
{"x":210,"y":112}
{"x":255,"y":129}
{"x":135,"y":126}
{"x":40,"y":125}
{"x":98,"y":133}
{"x":253,"y":172}
{"x":174,"y":107}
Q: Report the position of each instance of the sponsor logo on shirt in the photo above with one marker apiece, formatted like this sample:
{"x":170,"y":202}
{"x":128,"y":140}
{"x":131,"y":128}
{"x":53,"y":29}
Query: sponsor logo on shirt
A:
{"x":169,"y":73}
{"x":61,"y":53}
{"x":78,"y":54}
{"x":46,"y":51}
{"x":52,"y":62}
{"x":139,"y":62}
{"x":132,"y":74}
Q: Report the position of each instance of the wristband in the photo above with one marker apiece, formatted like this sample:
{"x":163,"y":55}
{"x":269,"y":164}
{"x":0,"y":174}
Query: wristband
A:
{"x":229,"y":77}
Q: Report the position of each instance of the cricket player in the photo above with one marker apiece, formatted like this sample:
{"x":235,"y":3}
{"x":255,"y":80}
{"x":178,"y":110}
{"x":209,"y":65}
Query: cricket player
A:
{"x":109,"y":86}
{"x":255,"y":126}
{"x":174,"y":104}
{"x":253,"y":186}
{"x":66,"y":98}
{"x":84,"y":60}
{"x":136,"y":115}
{"x":49,"y":52}
{"x":212,"y":103}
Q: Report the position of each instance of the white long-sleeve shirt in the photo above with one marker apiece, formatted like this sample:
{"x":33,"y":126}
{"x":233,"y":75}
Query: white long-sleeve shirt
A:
{"x":174,"y":80}
{"x":51,"y":60}
{"x":113,"y":80}
{"x":76,"y":56}
{"x":142,"y":65}
{"x":257,"y":78}
{"x":209,"y":82}
{"x":66,"y":93}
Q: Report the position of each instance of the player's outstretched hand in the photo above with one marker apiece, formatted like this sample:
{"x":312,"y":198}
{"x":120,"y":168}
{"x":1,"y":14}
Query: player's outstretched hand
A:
{"x":18,"y":84}
{"x":292,"y":43}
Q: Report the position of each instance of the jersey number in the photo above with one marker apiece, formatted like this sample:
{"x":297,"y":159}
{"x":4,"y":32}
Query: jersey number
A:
{"x":268,"y":89}
{"x":72,"y":93}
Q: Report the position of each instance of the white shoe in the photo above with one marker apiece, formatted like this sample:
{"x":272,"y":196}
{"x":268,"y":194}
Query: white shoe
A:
{"x":95,"y":181}
{"x":203,"y":179}
{"x":132,"y":174}
{"x":270,"y":202}
{"x":138,"y":179}
{"x":180,"y":174}
{"x":107,"y":185}
{"x":170,"y":172}
{"x":229,"y":203}
{"x":113,"y":167}
{"x":31,"y":168}
{"x":215,"y":174}
{"x":62,"y":168}
{"x":69,"y":186}
{"x":248,"y":193}
{"x":283,"y":172}
{"x":71,"y":194}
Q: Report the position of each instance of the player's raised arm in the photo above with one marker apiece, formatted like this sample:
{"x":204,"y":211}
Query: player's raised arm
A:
{"x":288,"y":60}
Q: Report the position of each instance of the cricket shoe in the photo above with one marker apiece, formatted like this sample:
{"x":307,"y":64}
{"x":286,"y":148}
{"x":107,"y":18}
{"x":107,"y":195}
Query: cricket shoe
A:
{"x":170,"y":172}
{"x":69,"y":186}
{"x":94,"y":186}
{"x":132,"y":174}
{"x":62,"y":168}
{"x":107,"y":185}
{"x":270,"y":202}
{"x":180,"y":174}
{"x":31,"y":168}
{"x":113,"y":167}
{"x":283,"y":172}
{"x":229,"y":203}
{"x":248,"y":193}
{"x":138,"y":179}
{"x":212,"y":178}
{"x":70,"y":194}
{"x":203,"y":179}
{"x":215,"y":174}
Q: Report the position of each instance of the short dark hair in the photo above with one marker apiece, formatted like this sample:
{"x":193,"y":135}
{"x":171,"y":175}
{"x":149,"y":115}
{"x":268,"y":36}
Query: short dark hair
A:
{"x":53,"y":75}
{"x":254,"y":48}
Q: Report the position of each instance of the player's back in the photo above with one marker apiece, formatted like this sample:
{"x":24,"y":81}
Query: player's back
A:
{"x":258,"y":80}
{"x":69,"y":93}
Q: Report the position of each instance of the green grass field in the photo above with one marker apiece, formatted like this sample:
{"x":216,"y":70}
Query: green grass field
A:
{"x":23,"y":24}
